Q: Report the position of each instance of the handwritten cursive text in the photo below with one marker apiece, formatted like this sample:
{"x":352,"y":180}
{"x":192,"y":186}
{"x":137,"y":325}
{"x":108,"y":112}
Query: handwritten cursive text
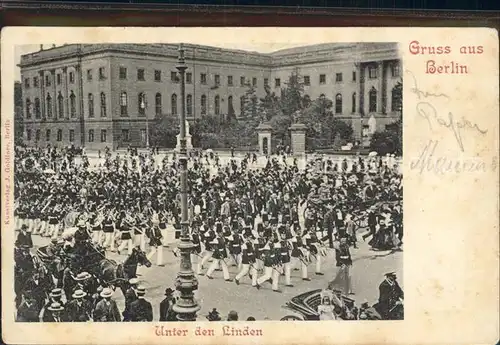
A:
{"x":423,"y":94}
{"x":427,"y":111}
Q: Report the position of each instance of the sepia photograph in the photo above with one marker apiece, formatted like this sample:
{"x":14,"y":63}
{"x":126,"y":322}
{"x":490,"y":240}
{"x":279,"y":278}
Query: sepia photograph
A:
{"x":194,"y":182}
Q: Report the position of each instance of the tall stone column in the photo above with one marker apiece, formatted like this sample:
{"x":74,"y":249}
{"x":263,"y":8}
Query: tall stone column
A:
{"x":383,"y":89}
{"x":361,"y":102}
{"x":42,"y":93}
{"x":65,"y":86}
{"x":380,"y":71}
{"x":54,"y":93}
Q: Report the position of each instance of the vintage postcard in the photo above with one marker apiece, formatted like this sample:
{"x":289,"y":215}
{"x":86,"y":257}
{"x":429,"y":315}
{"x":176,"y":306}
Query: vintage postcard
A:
{"x":238,"y":178}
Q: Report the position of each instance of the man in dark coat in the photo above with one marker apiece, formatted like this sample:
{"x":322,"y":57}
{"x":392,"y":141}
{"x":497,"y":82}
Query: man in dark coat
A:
{"x":79,"y":308}
{"x":390,"y":296}
{"x":24,"y":238}
{"x":28,"y":310}
{"x":106,"y":309}
{"x":141,"y":310}
{"x":166,"y":312}
{"x":130,"y":297}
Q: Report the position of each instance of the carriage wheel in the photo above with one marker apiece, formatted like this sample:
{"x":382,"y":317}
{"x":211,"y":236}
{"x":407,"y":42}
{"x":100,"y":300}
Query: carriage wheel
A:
{"x":291,"y":318}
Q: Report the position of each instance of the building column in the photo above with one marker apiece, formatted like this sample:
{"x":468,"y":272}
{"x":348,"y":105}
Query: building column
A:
{"x":384,"y":87}
{"x":54,"y":93}
{"x":361,"y":96}
{"x":42,"y":94}
{"x":380,"y":71}
{"x":65,"y":86}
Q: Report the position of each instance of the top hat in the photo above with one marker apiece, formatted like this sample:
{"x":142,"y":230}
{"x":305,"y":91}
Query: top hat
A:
{"x":168,"y":291}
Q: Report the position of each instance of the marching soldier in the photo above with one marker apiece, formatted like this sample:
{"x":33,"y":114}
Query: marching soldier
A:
{"x":155,"y":243}
{"x":108,"y":228}
{"x":299,"y":254}
{"x":219,"y":256}
{"x":271,"y":261}
{"x":248,"y":261}
{"x":235,"y":242}
{"x":313,"y":246}
{"x":127,"y":224}
{"x":285,"y":261}
{"x":196,"y":239}
{"x":209,"y":237}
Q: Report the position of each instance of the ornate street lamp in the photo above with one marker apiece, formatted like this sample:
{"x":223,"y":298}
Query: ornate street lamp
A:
{"x":186,"y":282}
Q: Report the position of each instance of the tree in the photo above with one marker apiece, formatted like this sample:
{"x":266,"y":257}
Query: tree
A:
{"x":251,"y":104}
{"x":269,"y":105}
{"x":292,"y":97}
{"x":164,"y":130}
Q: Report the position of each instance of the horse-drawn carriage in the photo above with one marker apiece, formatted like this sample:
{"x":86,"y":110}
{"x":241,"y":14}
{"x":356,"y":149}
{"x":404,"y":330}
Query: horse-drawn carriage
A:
{"x":305,"y":306}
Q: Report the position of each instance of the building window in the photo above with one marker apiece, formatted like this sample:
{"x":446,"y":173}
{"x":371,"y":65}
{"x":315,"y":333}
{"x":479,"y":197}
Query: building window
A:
{"x":307,"y":80}
{"x":71,"y":77}
{"x":47,"y":135}
{"x":230,"y":108}
{"x":203,"y":105}
{"x":338,"y":77}
{"x":158,"y":104}
{"x":60,"y":105}
{"x":58,"y":79}
{"x":189,"y":105}
{"x":277,"y":82}
{"x":72,"y":101}
{"x":103,"y":105}
{"x":141,"y":104}
{"x":102,"y":73}
{"x":37,"y":135}
{"x":353,"y":107}
{"x":217,"y":104}
{"x":123,"y":73}
{"x":242,"y":106}
{"x":322,"y":78}
{"x":203,"y":78}
{"x":123,"y":104}
{"x":174,"y":78}
{"x":396,"y":99}
{"x":395,"y":70}
{"x":49,"y":105}
{"x":91,"y":135}
{"x":37,"y":108}
{"x":254,"y":81}
{"x":189,"y":78}
{"x":140,"y":74}
{"x":157,"y":75}
{"x":229,"y":80}
{"x":59,"y":135}
{"x":266,"y":82}
{"x":125,"y":135}
{"x":48,"y":82}
{"x":71,"y":135}
{"x":242,"y":81}
{"x":353,"y":75}
{"x":338,"y":104}
{"x":28,"y":134}
{"x":217,"y":79}
{"x":28,"y":108}
{"x":373,"y":100}
{"x":91,"y":105}
{"x":35,"y":81}
{"x":103,"y":135}
{"x":372,"y":72}
{"x":26,"y":83}
{"x":89,"y":75}
{"x":174,"y":104}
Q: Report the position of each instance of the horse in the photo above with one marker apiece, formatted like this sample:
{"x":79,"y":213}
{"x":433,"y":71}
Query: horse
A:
{"x":111,"y":273}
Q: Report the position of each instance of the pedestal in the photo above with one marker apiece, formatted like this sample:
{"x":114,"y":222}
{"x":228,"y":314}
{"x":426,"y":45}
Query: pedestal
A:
{"x":264,"y":132}
{"x":298,"y":138}
{"x":189,"y":145}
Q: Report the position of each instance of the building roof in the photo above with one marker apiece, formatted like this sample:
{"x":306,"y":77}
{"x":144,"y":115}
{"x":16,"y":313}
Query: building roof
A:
{"x":196,"y":52}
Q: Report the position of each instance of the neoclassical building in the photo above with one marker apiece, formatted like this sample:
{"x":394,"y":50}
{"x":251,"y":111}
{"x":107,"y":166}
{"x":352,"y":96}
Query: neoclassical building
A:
{"x":98,"y":95}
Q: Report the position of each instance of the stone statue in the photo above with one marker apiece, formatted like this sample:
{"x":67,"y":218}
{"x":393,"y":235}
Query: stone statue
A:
{"x":187,"y":128}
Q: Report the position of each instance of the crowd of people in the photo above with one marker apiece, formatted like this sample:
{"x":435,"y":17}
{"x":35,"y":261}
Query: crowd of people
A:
{"x":265,"y":219}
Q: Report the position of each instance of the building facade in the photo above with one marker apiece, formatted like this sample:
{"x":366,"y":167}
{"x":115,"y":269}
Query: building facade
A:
{"x":108,"y":94}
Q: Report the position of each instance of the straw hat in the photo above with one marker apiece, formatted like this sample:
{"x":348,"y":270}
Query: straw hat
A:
{"x":79,"y":294}
{"x":106,"y":293}
{"x":55,"y":307}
